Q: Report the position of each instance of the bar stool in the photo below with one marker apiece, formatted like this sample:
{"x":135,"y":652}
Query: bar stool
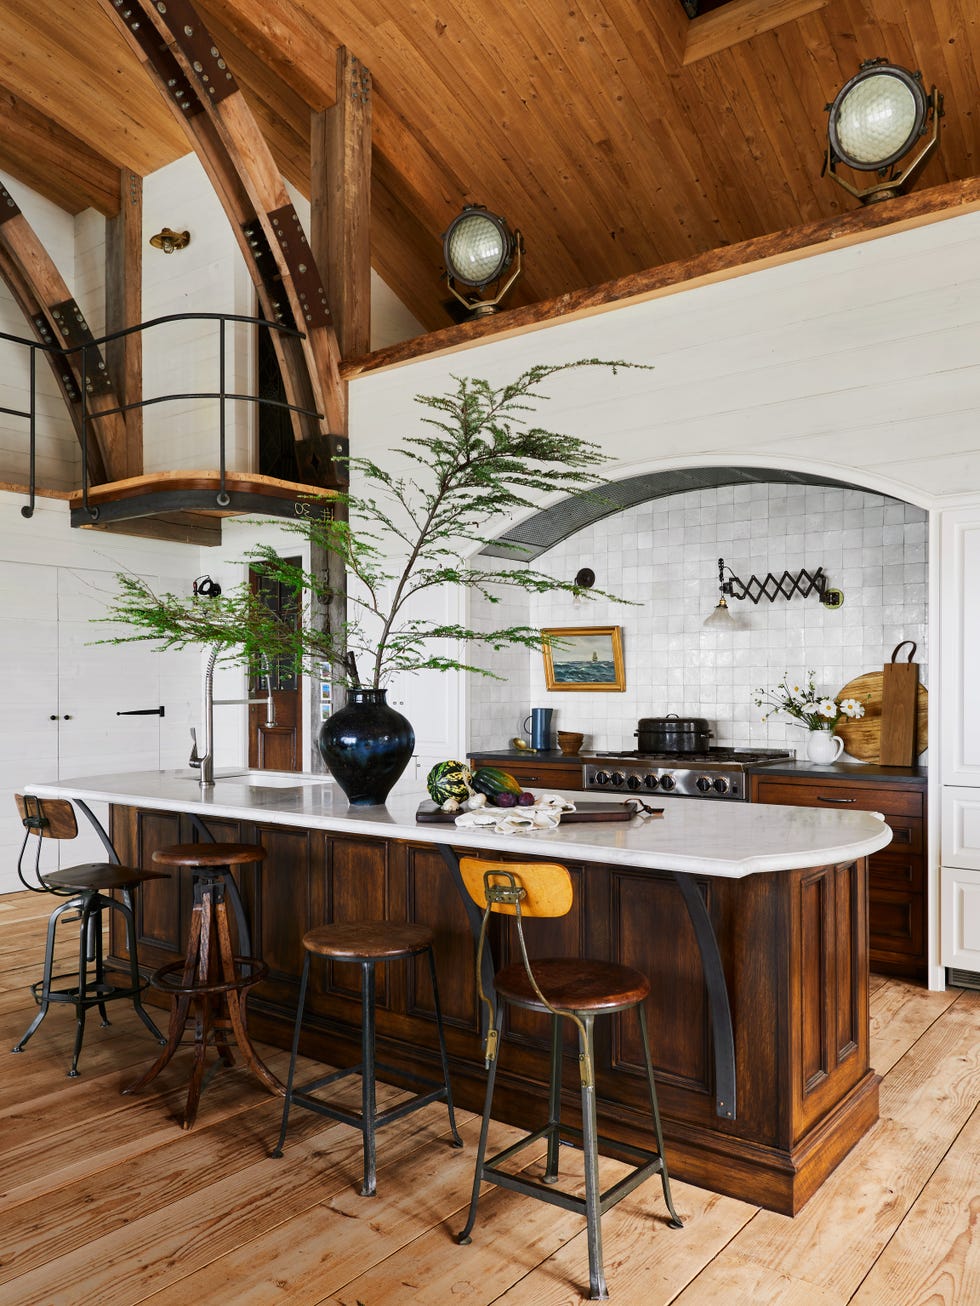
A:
{"x":573,"y":989}
{"x":87,"y":891}
{"x":367,"y":943}
{"x":209,"y":978}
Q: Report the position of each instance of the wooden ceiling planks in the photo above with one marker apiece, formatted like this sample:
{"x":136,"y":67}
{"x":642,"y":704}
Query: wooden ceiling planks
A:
{"x":54,"y":162}
{"x":55,"y":59}
{"x":610,"y":134}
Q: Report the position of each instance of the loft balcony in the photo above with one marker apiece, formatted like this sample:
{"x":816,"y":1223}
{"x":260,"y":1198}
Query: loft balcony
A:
{"x":182,"y":503}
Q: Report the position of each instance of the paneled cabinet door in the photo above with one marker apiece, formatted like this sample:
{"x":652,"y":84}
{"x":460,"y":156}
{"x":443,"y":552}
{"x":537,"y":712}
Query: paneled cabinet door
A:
{"x":960,"y":645}
{"x":961,"y":827}
{"x":960,"y":918}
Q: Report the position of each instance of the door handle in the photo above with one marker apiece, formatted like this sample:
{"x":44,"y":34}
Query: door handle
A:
{"x":145,"y":711}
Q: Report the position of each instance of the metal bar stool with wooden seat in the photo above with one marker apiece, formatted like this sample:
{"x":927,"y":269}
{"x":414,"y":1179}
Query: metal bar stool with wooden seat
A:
{"x":367,"y":943}
{"x":88,"y":891}
{"x":211,"y":978}
{"x":572,"y":989}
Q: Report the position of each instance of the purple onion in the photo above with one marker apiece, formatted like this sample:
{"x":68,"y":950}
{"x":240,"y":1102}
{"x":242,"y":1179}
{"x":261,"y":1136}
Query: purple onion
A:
{"x":525,"y":800}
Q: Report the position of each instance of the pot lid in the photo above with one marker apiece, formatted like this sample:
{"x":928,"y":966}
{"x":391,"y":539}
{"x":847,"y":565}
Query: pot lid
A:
{"x":673,"y":723}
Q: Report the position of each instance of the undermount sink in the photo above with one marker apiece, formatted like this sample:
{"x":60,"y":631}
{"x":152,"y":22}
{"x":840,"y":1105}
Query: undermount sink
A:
{"x":276,"y":779}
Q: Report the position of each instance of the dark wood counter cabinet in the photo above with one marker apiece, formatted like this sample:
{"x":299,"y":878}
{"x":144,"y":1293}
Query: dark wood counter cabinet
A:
{"x":793,"y":945}
{"x":897,"y":874}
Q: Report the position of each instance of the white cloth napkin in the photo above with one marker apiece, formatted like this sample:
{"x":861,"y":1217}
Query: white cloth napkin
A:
{"x":545,"y":814}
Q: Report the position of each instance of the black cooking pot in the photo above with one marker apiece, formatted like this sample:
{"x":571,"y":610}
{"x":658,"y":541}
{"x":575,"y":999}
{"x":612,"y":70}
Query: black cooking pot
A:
{"x":672,"y":734}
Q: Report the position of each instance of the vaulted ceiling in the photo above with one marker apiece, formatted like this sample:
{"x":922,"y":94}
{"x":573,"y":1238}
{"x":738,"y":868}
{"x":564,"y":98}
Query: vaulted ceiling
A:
{"x":618,"y":135}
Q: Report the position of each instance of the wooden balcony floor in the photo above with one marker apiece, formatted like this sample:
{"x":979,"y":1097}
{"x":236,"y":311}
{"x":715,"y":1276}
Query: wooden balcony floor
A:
{"x":105,"y":1200}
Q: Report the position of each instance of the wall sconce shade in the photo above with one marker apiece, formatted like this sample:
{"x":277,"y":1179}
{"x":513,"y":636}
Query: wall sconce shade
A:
{"x":769,"y":587}
{"x":478,"y":248}
{"x":875,"y":120}
{"x":169,"y":241}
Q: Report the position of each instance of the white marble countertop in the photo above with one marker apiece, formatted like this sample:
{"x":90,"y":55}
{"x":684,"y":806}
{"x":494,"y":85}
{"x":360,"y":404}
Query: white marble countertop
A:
{"x":722,"y":839}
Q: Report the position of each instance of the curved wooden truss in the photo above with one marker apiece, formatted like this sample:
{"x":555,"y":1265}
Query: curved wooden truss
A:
{"x":80,"y":371}
{"x":186,"y":64}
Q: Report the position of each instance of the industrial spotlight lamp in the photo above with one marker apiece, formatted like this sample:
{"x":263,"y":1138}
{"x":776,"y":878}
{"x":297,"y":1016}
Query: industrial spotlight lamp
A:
{"x":769,"y":587}
{"x":875,"y":121}
{"x":479,"y":248}
{"x":168,"y":240}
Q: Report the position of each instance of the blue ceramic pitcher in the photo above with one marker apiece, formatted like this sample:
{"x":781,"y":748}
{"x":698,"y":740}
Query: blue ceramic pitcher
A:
{"x":540,"y":727}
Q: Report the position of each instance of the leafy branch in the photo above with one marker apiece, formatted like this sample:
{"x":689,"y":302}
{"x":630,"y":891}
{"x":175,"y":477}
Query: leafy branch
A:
{"x":480,"y":460}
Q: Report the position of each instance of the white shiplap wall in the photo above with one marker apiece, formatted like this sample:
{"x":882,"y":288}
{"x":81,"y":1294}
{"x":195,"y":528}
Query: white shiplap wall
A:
{"x":209,"y":276}
{"x":863,"y":363}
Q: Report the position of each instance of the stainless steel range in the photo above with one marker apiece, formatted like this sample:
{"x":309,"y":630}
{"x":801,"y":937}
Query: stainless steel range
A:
{"x":717,"y":773}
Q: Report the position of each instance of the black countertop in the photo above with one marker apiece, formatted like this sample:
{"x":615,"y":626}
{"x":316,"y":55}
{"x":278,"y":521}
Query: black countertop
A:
{"x":800,"y":770}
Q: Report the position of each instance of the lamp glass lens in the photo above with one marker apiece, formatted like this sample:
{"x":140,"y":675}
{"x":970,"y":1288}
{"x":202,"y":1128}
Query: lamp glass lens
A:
{"x":876,"y":119}
{"x":477,"y":250}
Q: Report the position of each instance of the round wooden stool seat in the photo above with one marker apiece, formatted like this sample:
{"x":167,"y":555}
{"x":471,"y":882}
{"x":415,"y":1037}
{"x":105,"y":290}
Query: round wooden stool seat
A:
{"x":367,"y":940}
{"x":101,"y":877}
{"x":209,"y":854}
{"x":574,"y":984}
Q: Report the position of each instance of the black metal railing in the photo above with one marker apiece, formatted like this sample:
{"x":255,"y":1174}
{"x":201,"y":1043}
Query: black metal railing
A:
{"x":89,"y":351}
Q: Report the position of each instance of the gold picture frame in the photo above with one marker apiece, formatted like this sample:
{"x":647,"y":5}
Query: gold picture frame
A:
{"x":584,"y":658}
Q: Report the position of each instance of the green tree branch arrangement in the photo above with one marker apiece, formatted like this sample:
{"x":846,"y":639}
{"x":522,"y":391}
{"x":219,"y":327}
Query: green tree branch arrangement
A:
{"x":481,"y":459}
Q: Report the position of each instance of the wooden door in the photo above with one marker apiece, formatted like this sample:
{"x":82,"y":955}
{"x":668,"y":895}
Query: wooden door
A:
{"x":276,"y":747}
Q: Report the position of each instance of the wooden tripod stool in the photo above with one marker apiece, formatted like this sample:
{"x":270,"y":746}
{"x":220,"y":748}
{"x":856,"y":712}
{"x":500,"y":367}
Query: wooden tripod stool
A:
{"x":210,"y":978}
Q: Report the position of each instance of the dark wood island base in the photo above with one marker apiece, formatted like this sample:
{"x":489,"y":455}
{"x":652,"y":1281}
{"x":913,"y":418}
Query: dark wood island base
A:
{"x":794,"y":946}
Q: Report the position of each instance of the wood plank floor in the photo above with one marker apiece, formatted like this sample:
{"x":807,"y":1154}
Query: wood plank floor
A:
{"x":104,"y":1199}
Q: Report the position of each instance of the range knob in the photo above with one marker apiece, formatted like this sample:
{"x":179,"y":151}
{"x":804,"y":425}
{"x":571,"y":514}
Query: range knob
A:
{"x":601,"y":778}
{"x":651,"y":781}
{"x":703,"y":783}
{"x":633,"y":782}
{"x":721,"y":786}
{"x":617,"y":778}
{"x":668,"y":782}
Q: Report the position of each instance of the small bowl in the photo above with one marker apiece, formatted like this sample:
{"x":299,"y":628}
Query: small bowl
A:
{"x":569,"y":741}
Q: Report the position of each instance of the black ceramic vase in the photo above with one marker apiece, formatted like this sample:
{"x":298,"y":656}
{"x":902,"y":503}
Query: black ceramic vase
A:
{"x":366,"y":746}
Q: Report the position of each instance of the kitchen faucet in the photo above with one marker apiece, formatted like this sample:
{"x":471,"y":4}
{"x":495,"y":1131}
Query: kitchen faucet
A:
{"x":205,"y":761}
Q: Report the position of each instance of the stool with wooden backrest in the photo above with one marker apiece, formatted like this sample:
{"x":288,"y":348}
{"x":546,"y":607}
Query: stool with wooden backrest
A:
{"x":87,"y":890}
{"x":209,"y":979}
{"x":570,"y":989}
{"x":366,"y":943}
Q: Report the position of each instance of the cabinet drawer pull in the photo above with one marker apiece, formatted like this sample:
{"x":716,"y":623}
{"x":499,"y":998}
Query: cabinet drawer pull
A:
{"x":821,"y":798}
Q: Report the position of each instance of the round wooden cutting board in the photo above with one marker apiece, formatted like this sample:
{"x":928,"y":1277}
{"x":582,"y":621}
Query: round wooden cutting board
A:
{"x":862,"y":738}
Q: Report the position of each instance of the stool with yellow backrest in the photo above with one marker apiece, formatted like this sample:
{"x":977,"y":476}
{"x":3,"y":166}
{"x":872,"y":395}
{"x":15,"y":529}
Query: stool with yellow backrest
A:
{"x":572,"y":989}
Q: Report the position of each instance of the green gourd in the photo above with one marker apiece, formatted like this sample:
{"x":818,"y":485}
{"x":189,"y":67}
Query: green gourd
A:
{"x":490,"y":780}
{"x":448,"y":780}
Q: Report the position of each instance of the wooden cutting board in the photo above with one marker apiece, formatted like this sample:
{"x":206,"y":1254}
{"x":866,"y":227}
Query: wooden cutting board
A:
{"x":429,"y":812}
{"x":862,"y":738}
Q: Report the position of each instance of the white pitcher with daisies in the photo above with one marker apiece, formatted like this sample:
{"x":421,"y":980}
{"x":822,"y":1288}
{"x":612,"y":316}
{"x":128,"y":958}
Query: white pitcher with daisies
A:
{"x":815,"y":713}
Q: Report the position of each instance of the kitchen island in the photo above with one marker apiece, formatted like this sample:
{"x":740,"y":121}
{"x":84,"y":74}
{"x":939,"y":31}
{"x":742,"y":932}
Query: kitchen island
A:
{"x":784,"y":890}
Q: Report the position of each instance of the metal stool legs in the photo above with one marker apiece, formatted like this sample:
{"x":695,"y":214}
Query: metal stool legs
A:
{"x":92,"y":988}
{"x":596,"y":1202}
{"x":370,"y":1119}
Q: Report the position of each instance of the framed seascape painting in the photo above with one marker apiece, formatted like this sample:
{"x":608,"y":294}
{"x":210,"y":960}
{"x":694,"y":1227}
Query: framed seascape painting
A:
{"x":584,"y":657}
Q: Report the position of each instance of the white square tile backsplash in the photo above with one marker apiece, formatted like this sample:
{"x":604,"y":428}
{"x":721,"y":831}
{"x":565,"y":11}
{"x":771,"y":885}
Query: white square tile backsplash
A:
{"x":663,"y":556}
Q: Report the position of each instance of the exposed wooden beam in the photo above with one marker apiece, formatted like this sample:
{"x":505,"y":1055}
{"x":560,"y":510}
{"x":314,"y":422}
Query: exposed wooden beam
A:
{"x":181,"y":56}
{"x":340,"y":186}
{"x":124,"y":308}
{"x":56,"y":319}
{"x":740,"y":21}
{"x":52,"y":161}
{"x":890,"y":217}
